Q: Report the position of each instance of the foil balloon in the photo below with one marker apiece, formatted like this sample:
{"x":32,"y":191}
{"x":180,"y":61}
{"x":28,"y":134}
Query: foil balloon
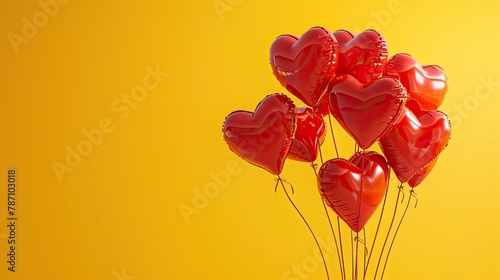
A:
{"x":264,"y":137}
{"x":415,"y":141}
{"x":363,"y":56}
{"x":305,"y":65}
{"x":367,"y":112}
{"x":343,"y":36}
{"x":422,"y":174}
{"x":309,"y":135}
{"x":322,"y":106}
{"x":426,"y":85}
{"x":354,"y":188}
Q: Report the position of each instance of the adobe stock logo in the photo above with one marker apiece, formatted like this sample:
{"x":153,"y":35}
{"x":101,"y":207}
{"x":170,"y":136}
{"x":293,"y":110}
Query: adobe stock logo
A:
{"x":383,"y":17}
{"x":31,"y":26}
{"x":310,"y":264}
{"x":223,"y":6}
{"x":462,"y":111}
{"x":202,"y":196}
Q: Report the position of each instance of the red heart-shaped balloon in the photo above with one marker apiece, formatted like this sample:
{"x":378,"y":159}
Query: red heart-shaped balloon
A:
{"x":367,"y":112}
{"x":309,"y":135}
{"x":426,"y":85}
{"x":343,"y":36}
{"x":264,"y":137}
{"x":364,"y":56}
{"x":354,"y":188}
{"x":322,"y":106}
{"x":415,"y":141}
{"x":422,"y":174}
{"x":305,"y":66}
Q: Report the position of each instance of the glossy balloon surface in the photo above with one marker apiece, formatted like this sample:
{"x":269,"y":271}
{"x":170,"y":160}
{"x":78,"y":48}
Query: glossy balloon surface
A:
{"x":426,"y":85}
{"x":415,"y":141}
{"x":264,"y":137}
{"x":367,"y":112}
{"x":309,"y":135}
{"x":354,"y":188}
{"x":422,"y":174}
{"x":322,"y":106}
{"x":364,"y":56}
{"x":305,"y":65}
{"x":343,"y":36}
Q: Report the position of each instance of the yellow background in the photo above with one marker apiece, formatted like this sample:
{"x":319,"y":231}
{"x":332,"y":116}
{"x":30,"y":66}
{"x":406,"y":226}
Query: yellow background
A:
{"x":117,"y":213}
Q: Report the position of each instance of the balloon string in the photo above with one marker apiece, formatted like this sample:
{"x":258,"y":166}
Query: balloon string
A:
{"x":320,"y":157}
{"x":352,"y":256}
{"x":366,"y":249}
{"x":339,"y":231}
{"x":414,"y":194}
{"x":357,"y":239}
{"x":279,"y":180}
{"x":333,"y":136}
{"x":396,"y":232}
{"x":359,"y":212}
{"x":282,"y":180}
{"x":338,"y":218}
{"x":341,"y":260}
{"x":362,"y":241}
{"x":341,"y":246}
{"x":400,"y":187}
{"x":379,"y":222}
{"x":357,"y":250}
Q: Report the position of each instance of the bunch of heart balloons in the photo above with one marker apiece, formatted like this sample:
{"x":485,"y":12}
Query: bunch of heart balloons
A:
{"x":375,"y":99}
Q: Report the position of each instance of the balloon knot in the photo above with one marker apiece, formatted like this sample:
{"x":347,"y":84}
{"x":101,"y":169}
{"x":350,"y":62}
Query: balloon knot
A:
{"x":414,"y":194}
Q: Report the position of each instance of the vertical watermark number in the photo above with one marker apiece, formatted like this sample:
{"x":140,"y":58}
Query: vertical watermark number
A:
{"x":11,"y":219}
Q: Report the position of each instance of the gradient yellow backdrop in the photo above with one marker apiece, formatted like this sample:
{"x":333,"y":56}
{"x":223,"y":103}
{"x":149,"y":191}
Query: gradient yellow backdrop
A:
{"x":73,"y":67}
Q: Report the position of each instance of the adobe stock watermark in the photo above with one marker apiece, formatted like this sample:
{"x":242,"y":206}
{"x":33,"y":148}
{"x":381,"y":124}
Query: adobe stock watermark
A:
{"x":310,"y":264}
{"x":32,"y":25}
{"x":382,"y":18}
{"x":462,"y":111}
{"x":121,"y":107}
{"x":202,"y":196}
{"x":121,"y":276}
{"x":223,"y":6}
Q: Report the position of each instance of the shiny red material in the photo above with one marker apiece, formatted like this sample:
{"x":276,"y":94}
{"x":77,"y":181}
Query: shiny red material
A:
{"x":415,"y":141}
{"x":264,"y":137}
{"x":305,"y":66}
{"x":354,"y":188}
{"x":309,"y":135}
{"x":343,"y":36}
{"x":364,"y":56}
{"x":367,"y":112}
{"x":422,"y":174}
{"x":426,"y":85}
{"x":322,"y":106}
